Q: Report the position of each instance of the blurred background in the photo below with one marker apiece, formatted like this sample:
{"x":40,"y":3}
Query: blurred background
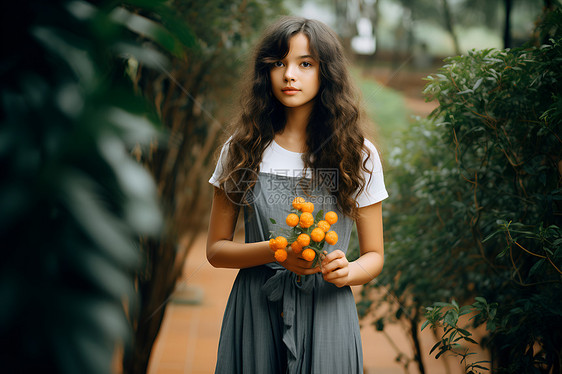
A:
{"x":111,"y":119}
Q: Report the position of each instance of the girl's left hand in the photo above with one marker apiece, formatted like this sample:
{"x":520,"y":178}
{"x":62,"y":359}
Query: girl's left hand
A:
{"x":335,"y":268}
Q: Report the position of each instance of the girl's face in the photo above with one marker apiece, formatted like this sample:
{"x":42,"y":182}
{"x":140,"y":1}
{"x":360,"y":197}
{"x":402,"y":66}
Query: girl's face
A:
{"x":295,"y":80}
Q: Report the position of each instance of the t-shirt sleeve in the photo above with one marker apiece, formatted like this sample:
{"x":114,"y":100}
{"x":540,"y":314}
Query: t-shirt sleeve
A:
{"x":221,"y":164}
{"x":375,"y":190}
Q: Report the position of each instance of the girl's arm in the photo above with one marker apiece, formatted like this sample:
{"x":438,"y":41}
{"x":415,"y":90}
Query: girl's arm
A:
{"x":335,"y":267}
{"x":223,"y":252}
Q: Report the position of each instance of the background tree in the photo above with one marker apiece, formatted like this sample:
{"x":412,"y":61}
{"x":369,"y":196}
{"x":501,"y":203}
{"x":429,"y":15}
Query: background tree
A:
{"x":449,"y":25}
{"x":497,"y":15}
{"x":431,"y":11}
{"x":73,"y":201}
{"x":193,"y":97}
{"x":476,"y":204}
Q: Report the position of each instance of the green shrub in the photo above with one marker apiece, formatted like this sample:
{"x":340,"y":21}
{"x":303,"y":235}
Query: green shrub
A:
{"x":476,"y":204}
{"x":73,"y":200}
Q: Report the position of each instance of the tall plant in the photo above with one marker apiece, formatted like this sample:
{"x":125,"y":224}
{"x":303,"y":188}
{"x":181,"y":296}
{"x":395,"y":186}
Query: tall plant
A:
{"x":73,"y":201}
{"x":477,"y":205}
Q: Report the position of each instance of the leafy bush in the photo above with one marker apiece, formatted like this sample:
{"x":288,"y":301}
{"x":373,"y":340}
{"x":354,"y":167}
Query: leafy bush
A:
{"x":73,"y":201}
{"x":476,"y":207}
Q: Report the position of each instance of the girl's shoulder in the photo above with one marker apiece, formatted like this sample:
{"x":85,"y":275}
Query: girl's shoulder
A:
{"x":221,"y":163}
{"x":372,"y":155}
{"x":370,"y":146}
{"x":374,"y":190}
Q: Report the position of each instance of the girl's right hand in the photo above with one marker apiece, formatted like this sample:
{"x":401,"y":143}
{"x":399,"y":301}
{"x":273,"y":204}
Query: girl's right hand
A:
{"x":297,"y":264}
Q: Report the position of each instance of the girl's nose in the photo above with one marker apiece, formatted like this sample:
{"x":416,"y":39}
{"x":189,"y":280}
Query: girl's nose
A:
{"x":289,"y":74}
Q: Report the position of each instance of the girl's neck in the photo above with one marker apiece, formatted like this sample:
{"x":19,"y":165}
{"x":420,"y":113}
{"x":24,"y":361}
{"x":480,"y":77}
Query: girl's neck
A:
{"x":293,"y":136}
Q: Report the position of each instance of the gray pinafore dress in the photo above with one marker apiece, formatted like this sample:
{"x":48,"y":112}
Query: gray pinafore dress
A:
{"x":275,"y":322}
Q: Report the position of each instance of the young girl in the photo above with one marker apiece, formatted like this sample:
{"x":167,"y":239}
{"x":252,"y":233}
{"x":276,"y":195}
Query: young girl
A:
{"x":299,"y":134}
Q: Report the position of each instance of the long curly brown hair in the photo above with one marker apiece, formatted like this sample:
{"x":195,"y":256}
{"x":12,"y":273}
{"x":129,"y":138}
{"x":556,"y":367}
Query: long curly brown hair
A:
{"x":335,"y":134}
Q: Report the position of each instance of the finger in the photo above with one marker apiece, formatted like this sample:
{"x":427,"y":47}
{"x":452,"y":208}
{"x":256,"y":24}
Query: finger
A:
{"x":304,"y":263}
{"x":338,"y":282}
{"x":301,"y":265}
{"x":333,"y":256}
{"x":334,"y":275}
{"x":313,"y":270}
{"x":305,"y":271}
{"x":334,"y":265}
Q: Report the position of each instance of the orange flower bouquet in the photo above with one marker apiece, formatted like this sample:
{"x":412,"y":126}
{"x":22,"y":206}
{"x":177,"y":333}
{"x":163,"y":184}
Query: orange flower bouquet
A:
{"x":306,"y":234}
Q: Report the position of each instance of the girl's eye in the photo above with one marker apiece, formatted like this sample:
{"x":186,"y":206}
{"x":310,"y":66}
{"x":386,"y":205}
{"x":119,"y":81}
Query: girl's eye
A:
{"x":306,"y":64}
{"x":278,"y":64}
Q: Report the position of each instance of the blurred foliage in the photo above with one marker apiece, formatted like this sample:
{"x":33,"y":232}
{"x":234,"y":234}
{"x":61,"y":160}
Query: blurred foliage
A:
{"x":193,"y":96}
{"x":492,"y":13}
{"x":476,"y":205}
{"x":467,"y":23}
{"x":385,"y":107}
{"x":73,"y":201}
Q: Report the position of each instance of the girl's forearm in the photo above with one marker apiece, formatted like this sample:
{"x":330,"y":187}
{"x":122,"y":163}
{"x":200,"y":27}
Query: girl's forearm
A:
{"x":365,"y":269}
{"x":230,"y":254}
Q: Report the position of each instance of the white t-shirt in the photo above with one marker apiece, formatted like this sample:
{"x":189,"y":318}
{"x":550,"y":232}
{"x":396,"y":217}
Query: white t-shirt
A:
{"x":280,"y":161}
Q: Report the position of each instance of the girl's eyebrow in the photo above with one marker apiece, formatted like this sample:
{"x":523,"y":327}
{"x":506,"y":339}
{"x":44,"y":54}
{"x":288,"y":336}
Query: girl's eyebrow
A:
{"x":306,"y":56}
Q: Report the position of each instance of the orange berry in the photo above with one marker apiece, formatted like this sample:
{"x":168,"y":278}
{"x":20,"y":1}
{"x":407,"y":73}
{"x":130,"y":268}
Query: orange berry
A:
{"x":307,"y":207}
{"x":306,"y":220}
{"x":281,"y":242}
{"x":280,"y":255}
{"x":272,"y":244}
{"x":296,"y":247}
{"x":292,"y":220}
{"x":331,"y":237}
{"x":303,"y":240}
{"x":331,"y":217}
{"x":297,"y":202}
{"x":317,"y":234}
{"x":324,"y":225}
{"x":308,"y":254}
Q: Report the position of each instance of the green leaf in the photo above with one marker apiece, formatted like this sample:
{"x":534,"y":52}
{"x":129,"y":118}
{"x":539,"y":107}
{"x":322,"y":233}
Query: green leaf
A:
{"x":466,"y":309}
{"x":319,"y":216}
{"x":490,"y":236}
{"x":464,"y":332}
{"x":480,"y":299}
{"x":147,"y":28}
{"x":464,"y":92}
{"x":451,"y":317}
{"x":442,"y":304}
{"x":477,"y":84}
{"x":536,"y":267}
{"x":272,"y":221}
{"x":435,"y":346}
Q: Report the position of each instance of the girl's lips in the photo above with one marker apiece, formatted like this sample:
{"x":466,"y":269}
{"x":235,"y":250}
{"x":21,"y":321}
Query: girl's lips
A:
{"x":290,"y":91}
